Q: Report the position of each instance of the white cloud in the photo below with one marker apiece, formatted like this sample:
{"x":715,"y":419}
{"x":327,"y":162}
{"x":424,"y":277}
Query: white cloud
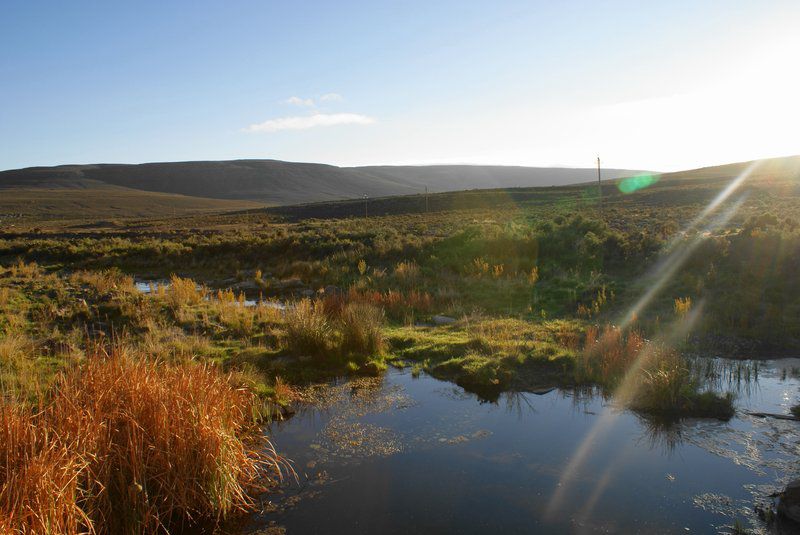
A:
{"x":309,"y":121}
{"x":297,"y":101}
{"x":331,"y":97}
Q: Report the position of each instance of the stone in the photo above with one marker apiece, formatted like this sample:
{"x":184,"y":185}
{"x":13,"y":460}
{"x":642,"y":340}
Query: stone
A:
{"x":442,"y":320}
{"x":245,"y":286}
{"x":286,"y":284}
{"x":789,"y":501}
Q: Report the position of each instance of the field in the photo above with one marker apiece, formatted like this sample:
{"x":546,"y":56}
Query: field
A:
{"x":519,"y":289}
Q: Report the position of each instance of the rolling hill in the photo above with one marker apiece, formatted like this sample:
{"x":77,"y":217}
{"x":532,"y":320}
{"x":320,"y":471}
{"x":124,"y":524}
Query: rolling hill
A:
{"x":771,"y":177}
{"x":274,"y":182}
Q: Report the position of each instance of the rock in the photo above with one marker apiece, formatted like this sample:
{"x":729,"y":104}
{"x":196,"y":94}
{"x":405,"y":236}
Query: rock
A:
{"x":789,"y":501}
{"x":246,"y":286}
{"x":286,"y":284}
{"x":442,"y":320}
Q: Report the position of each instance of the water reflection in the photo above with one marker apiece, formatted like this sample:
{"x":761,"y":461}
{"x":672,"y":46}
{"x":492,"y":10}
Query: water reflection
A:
{"x":398,"y":455}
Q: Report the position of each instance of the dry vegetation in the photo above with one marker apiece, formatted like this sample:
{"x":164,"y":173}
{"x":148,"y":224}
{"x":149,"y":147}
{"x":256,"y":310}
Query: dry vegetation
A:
{"x":126,"y":445}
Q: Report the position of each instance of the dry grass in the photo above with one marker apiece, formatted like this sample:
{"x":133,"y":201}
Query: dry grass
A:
{"x":24,"y":270}
{"x":407,"y":271}
{"x":19,"y":379}
{"x":308,"y":328}
{"x":646,"y":376}
{"x":361,"y":329}
{"x":130,"y":446}
{"x":183,"y":292}
{"x":104,"y":282}
{"x":608,"y":354}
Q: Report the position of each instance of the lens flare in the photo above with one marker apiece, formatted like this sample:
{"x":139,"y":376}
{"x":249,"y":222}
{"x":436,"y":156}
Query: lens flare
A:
{"x":627,"y":390}
{"x":678,"y":252}
{"x":635,"y":183}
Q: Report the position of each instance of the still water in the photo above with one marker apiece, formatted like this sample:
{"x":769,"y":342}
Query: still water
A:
{"x":402,"y":454}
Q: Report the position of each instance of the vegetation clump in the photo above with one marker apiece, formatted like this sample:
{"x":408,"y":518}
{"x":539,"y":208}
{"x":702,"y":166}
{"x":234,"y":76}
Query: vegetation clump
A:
{"x":124,"y":444}
{"x":646,"y":376}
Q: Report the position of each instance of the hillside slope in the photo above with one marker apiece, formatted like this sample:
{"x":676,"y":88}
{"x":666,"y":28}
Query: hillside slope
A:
{"x":282,"y":183}
{"x":770,"y":177}
{"x":441,"y":178}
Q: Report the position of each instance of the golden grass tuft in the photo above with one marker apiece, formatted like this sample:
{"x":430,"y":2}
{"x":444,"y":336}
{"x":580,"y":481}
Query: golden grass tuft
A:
{"x":105,"y":282}
{"x":647,"y":376}
{"x":183,"y":292}
{"x":126,"y":445}
{"x":361,"y":325}
{"x":308,"y":328}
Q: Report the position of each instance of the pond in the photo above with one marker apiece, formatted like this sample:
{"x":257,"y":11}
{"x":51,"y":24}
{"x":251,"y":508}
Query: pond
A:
{"x":406,"y":454}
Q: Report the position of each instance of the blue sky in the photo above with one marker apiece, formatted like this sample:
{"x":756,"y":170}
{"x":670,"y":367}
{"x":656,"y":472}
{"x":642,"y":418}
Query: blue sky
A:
{"x":647,"y":85}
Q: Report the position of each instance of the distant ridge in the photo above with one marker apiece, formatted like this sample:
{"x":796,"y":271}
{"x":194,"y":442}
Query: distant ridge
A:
{"x":275,"y":182}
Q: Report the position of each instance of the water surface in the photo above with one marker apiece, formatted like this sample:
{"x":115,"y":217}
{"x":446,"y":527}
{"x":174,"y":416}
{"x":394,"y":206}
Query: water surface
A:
{"x":401,"y":454}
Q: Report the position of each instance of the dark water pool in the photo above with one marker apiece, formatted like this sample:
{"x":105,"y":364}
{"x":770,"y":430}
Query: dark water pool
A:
{"x":415,"y":455}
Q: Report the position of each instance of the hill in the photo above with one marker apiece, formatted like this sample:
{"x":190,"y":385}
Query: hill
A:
{"x":775,"y":176}
{"x":276,"y":182}
{"x":93,"y":201}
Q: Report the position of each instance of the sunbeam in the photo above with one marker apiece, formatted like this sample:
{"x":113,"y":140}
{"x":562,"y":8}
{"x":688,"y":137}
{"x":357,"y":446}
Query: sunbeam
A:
{"x":626,"y":390}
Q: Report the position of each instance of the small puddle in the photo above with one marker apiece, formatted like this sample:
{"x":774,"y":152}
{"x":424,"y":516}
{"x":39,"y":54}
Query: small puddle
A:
{"x":400,"y":454}
{"x":152,"y":286}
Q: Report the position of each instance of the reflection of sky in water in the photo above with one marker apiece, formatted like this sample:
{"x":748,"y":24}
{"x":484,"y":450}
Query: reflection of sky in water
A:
{"x":400,"y":455}
{"x":148,"y":286}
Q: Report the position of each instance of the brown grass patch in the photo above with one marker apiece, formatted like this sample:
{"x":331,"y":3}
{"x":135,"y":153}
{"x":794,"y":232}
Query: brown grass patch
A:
{"x":129,"y":445}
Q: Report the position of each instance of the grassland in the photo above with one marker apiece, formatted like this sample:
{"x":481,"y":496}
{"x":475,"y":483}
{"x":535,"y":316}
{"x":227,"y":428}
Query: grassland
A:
{"x":519,"y":289}
{"x":110,"y":204}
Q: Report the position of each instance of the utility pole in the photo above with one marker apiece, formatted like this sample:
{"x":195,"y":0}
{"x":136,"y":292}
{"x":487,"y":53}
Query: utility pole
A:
{"x":599,"y":184}
{"x":426,"y":199}
{"x":366,"y":210}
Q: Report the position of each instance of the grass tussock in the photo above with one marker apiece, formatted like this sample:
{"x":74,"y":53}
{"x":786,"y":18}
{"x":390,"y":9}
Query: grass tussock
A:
{"x":104,"y":282}
{"x":129,"y":446}
{"x":19,"y":377}
{"x":183,"y":292}
{"x":361,"y":325}
{"x":308,"y":328}
{"x":646,"y":376}
{"x":333,"y":328}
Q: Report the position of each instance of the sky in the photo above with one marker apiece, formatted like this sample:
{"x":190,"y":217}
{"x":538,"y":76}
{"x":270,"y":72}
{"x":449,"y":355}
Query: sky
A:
{"x":646,"y":85}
